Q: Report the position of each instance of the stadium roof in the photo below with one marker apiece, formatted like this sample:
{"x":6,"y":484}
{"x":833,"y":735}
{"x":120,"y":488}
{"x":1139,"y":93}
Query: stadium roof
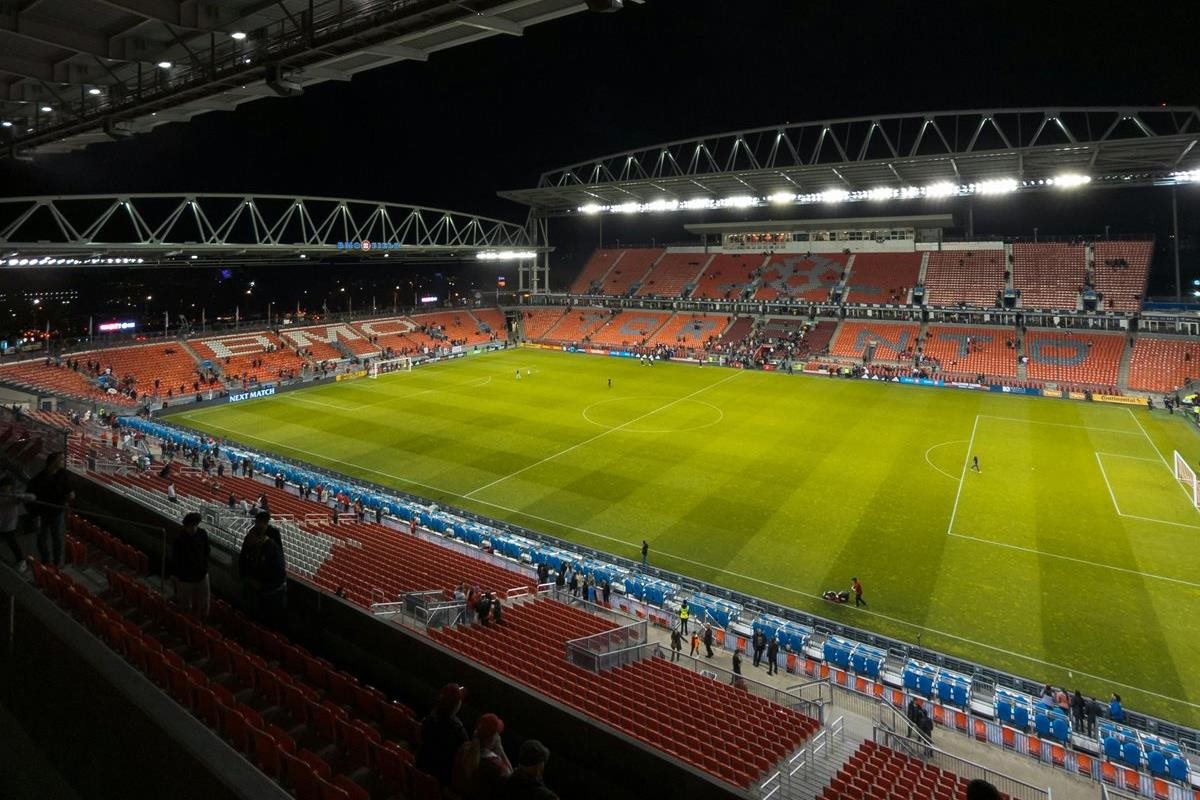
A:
{"x":198,"y":229}
{"x":74,"y":72}
{"x":842,"y":223}
{"x":933,"y":154}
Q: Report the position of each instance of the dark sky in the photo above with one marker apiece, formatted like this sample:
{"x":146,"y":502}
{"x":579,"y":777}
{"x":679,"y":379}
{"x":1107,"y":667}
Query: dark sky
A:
{"x":495,"y":114}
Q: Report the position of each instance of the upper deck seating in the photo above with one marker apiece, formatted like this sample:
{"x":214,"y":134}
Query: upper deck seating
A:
{"x":1049,"y":274}
{"x":577,"y":324}
{"x":1119,"y":271}
{"x":883,"y":277}
{"x":966,"y":277}
{"x":794,"y":277}
{"x":673,"y":273}
{"x":629,"y":271}
{"x":537,"y":322}
{"x":258,"y":356}
{"x":594,"y":270}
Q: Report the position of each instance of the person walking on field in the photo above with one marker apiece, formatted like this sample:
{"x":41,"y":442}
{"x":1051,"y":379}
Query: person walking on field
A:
{"x":975,"y":464}
{"x":856,"y":587}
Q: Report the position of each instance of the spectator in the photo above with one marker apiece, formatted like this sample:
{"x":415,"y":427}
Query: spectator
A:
{"x":481,"y":765}
{"x":496,"y":613}
{"x":442,"y":734}
{"x":676,"y":644}
{"x":1115,"y":712}
{"x":10,"y":509}
{"x":773,"y":656}
{"x":708,"y":640}
{"x":171,"y":496}
{"x":189,"y":564}
{"x":1091,"y":710}
{"x":263,"y":570}
{"x":979,"y":789}
{"x":53,"y":494}
{"x":525,"y":783}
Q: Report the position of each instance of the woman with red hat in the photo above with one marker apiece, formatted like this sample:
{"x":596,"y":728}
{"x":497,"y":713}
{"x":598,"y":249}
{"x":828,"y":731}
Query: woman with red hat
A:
{"x":481,"y":765}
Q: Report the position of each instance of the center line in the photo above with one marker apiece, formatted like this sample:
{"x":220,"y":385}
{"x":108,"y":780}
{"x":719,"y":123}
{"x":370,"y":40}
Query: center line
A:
{"x":553,"y":456}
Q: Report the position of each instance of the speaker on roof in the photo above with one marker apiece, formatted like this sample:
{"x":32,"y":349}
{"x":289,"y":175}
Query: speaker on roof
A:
{"x":605,"y":6}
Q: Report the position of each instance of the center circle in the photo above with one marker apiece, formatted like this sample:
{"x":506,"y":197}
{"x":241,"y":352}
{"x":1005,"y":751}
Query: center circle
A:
{"x":653,"y":414}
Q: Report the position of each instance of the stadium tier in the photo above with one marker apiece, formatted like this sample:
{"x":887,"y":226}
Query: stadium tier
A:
{"x":1049,"y":275}
{"x":883,"y":277}
{"x":537,"y":322}
{"x":987,"y":351}
{"x":490,"y":321}
{"x":592,"y":277}
{"x":577,"y":324}
{"x":1120,"y":270}
{"x":673,"y":273}
{"x":735,"y":334}
{"x":1090,"y":359}
{"x":875,"y":772}
{"x":1163,"y":364}
{"x":690,"y":330}
{"x":249,"y":357}
{"x":728,"y":276}
{"x":399,"y":334}
{"x":629,"y":270}
{"x":455,"y":326}
{"x":711,"y":725}
{"x":811,"y":277}
{"x":322,"y":342}
{"x":892,"y":341}
{"x":964,"y":277}
{"x":630,"y":328}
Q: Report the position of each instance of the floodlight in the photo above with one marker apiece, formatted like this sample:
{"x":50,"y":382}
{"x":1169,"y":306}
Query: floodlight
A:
{"x":5,"y":124}
{"x":237,"y":35}
{"x":697,"y":203}
{"x":997,"y":186}
{"x":94,"y":92}
{"x":881,"y":193}
{"x":46,"y":109}
{"x":738,"y":201}
{"x":909,"y":192}
{"x":834,"y":195}
{"x":626,"y":208}
{"x":1070,"y":180}
{"x":661,"y":205}
{"x":941,"y":189}
{"x":782,"y":198}
{"x":164,"y":65}
{"x":591,"y":208}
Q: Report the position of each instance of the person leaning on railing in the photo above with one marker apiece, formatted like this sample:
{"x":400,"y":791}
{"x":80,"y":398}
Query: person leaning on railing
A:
{"x":10,"y":509}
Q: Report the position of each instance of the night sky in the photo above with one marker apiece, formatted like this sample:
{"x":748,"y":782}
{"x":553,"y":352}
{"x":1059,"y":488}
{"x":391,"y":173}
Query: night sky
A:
{"x":495,"y":114}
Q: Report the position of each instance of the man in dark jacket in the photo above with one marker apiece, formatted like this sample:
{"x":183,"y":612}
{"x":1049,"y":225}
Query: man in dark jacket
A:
{"x":442,"y":733}
{"x":759,"y":643}
{"x":189,"y":564}
{"x":525,"y":783}
{"x":263,"y":569}
{"x":50,"y":488}
{"x":708,"y":639}
{"x":772,"y":656}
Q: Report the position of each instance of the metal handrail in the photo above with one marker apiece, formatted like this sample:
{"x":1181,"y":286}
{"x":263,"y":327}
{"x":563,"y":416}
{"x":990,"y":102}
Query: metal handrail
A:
{"x":964,"y":768}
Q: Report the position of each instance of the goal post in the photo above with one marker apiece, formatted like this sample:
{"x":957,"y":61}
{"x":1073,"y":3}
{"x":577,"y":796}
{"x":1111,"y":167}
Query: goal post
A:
{"x":1187,"y":477}
{"x":387,"y":365}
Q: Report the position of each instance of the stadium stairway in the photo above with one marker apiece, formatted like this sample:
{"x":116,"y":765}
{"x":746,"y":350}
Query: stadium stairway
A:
{"x":1126,"y":361}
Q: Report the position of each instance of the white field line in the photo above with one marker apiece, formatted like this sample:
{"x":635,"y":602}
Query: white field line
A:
{"x":1111,"y":493}
{"x":1131,"y":458}
{"x":963,"y":477}
{"x":1061,"y":425}
{"x":1163,"y":459}
{"x":935,"y":466}
{"x":601,"y":435}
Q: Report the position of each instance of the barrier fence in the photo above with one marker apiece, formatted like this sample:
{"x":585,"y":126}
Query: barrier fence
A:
{"x":609,"y":649}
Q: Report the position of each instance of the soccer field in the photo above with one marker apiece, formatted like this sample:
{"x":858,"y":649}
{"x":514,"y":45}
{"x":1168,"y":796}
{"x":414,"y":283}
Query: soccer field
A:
{"x":1071,"y":557}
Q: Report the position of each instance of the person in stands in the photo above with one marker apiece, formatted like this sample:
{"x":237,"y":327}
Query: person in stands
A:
{"x":263,"y":570}
{"x":1115,"y":712}
{"x":708,"y":640}
{"x":676,"y":644}
{"x":53,"y":494}
{"x":481,"y":765}
{"x":772,"y":656}
{"x":189,"y":564}
{"x":525,"y":783}
{"x":10,"y":509}
{"x":442,"y":734}
{"x":980,"y":789}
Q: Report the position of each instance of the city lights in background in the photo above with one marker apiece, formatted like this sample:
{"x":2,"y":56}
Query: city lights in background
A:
{"x":834,"y":195}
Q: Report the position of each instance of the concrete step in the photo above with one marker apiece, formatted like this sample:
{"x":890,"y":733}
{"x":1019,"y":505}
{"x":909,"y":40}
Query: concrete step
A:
{"x":805,"y":774}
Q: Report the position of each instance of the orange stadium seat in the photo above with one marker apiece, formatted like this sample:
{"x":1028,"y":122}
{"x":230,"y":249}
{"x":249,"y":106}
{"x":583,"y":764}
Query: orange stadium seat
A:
{"x":537,"y":322}
{"x":1049,"y":274}
{"x":1162,"y":364}
{"x":1078,"y":357}
{"x":727,"y":276}
{"x":459,"y":326}
{"x":894,"y":341}
{"x":882,"y":277}
{"x":690,"y":330}
{"x":629,"y":271}
{"x":987,"y":352}
{"x":319,"y":341}
{"x":1119,"y":273}
{"x":811,"y":277}
{"x":401,"y":334}
{"x":576,"y":325}
{"x":235,"y":354}
{"x":630,"y":328}
{"x":673,"y":273}
{"x":590,"y":279}
{"x":970,"y":277}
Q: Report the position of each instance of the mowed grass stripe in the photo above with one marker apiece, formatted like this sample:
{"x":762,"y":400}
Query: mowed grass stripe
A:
{"x":803,"y":483}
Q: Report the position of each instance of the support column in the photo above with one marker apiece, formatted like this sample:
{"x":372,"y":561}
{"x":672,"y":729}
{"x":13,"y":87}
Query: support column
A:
{"x":1175,"y":241}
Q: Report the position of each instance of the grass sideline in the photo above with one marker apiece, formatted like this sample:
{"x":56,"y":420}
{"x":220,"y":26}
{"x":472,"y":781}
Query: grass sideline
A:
{"x":1073,"y":557}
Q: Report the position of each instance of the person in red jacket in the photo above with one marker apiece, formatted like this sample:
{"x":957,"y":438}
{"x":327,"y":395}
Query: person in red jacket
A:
{"x":856,"y":587}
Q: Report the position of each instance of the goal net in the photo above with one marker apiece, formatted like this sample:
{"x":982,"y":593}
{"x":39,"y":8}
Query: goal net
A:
{"x":1187,"y":477}
{"x":387,"y":365}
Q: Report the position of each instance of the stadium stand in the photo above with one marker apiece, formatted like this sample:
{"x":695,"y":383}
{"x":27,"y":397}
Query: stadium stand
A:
{"x":810,"y":277}
{"x":630,"y":328}
{"x":58,"y":379}
{"x":876,"y":772}
{"x":491,"y":320}
{"x":628,"y":273}
{"x":235,"y":356}
{"x":319,"y":341}
{"x":736,"y":333}
{"x":400,"y":334}
{"x":1049,"y":274}
{"x":690,"y":330}
{"x":1163,"y":364}
{"x":895,"y":341}
{"x":728,"y":276}
{"x":458,"y":326}
{"x":1119,"y":273}
{"x":727,"y":732}
{"x":577,"y":324}
{"x":972,"y":350}
{"x":1084,"y":358}
{"x":966,"y":277}
{"x":673,"y":273}
{"x":537,"y":322}
{"x":592,"y":276}
{"x":883,"y":277}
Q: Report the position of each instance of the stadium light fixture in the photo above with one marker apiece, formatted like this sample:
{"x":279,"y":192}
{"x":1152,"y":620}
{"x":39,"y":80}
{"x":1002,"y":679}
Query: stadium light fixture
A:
{"x":591,"y":208}
{"x":1069,"y":181}
{"x":662,"y":205}
{"x":237,"y":36}
{"x":997,"y":186}
{"x":737,"y":201}
{"x":782,"y":198}
{"x":505,"y":255}
{"x":1187,"y":176}
{"x":626,"y":208}
{"x":94,"y":92}
{"x":834,"y":195}
{"x":941,"y":189}
{"x":165,"y":65}
{"x":696,"y":203}
{"x":881,"y":193}
{"x":5,"y":124}
{"x":46,"y":109}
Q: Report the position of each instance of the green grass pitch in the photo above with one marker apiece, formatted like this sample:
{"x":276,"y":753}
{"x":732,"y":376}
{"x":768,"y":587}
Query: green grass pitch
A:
{"x":1072,"y":557}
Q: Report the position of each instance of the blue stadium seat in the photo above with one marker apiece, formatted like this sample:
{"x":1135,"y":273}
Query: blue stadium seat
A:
{"x":1157,"y":763}
{"x":1177,"y":768}
{"x":1021,"y":717}
{"x":1004,"y":710}
{"x":1041,"y":723}
{"x":1061,"y":730}
{"x":836,"y":652}
{"x":925,"y":684}
{"x":910,"y":679}
{"x":1131,"y":754}
{"x":1112,"y":748}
